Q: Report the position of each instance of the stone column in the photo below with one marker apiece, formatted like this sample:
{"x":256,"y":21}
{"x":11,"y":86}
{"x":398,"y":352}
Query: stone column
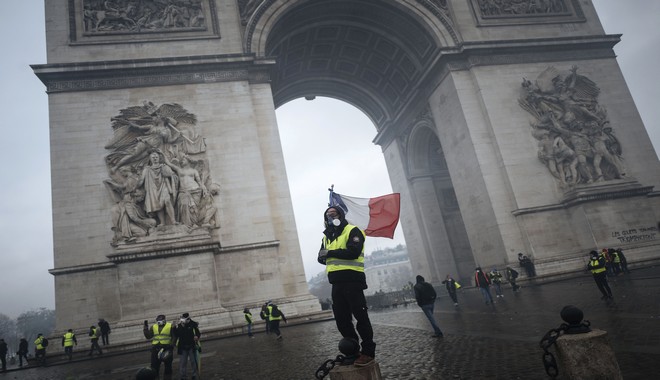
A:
{"x":587,"y":356}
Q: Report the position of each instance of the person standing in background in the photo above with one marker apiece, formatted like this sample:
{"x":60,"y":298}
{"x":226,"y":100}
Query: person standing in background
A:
{"x":425,"y":296}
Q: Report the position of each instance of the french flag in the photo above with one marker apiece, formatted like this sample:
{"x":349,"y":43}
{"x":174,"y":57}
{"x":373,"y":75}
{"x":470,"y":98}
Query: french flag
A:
{"x":377,"y":217}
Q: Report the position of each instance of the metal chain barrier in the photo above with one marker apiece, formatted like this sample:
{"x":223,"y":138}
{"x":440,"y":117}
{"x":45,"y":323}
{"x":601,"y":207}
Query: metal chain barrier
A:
{"x":550,"y":338}
{"x":328,"y":365}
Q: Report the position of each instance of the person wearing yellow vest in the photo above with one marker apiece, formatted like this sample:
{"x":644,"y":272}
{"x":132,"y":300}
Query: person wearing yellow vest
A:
{"x":248,"y":320}
{"x":275,"y":315}
{"x":162,"y":338}
{"x":342,"y":253}
{"x":599,"y":271}
{"x":68,"y":341}
{"x":94,"y":339}
{"x":40,"y":345}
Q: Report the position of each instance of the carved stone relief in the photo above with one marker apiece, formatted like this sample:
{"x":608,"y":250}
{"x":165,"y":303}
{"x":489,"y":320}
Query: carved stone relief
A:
{"x":159,"y":174}
{"x":521,"y":7}
{"x":520,"y":12}
{"x":575,"y":139}
{"x":132,"y":16}
{"x":246,"y":8}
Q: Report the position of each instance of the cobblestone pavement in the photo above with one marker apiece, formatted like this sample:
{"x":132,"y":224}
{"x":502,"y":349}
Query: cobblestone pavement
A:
{"x":481,"y":342}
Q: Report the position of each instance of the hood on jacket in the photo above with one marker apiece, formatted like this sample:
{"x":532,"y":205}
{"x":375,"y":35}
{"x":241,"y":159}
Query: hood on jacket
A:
{"x":342,"y":216}
{"x":420,"y":279}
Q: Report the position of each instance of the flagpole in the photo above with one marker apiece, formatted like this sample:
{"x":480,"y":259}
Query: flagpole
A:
{"x":331,"y":190}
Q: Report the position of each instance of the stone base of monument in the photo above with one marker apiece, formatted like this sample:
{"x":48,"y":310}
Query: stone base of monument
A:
{"x":587,"y":356}
{"x":351,"y":372}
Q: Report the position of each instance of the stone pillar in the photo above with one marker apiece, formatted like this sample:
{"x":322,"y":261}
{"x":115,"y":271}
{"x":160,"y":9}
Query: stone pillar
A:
{"x":587,"y":356}
{"x":351,"y":372}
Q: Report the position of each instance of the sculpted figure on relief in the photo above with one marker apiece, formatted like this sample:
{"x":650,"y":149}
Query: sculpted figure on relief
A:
{"x":131,"y":16}
{"x":158,"y":173}
{"x":575,"y":139}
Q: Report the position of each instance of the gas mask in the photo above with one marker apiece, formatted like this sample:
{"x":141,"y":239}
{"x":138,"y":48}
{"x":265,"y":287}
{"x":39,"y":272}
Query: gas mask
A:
{"x":332,"y":221}
{"x":183,"y":321}
{"x":160,"y":322}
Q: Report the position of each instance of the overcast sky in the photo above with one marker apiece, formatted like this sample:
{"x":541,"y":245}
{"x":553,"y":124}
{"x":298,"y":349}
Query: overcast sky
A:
{"x":25,"y":203}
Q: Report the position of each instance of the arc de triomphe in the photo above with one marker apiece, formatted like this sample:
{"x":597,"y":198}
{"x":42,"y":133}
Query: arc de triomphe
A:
{"x":506,"y":126}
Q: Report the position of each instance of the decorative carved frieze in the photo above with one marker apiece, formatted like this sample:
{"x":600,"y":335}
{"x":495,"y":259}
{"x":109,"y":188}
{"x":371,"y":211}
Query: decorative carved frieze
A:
{"x":506,"y":12}
{"x":130,"y":16}
{"x":575,"y":138}
{"x":246,"y":9}
{"x":440,"y":9}
{"x":95,"y":21}
{"x":159,"y":176}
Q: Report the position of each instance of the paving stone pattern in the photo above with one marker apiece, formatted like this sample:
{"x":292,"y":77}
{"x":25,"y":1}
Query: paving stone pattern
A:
{"x":481,"y":342}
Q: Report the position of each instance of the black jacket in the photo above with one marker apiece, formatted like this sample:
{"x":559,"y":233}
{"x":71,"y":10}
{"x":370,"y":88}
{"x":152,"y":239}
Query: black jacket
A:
{"x":450,"y":285}
{"x":185,"y":335}
{"x":23,"y":347}
{"x":424,"y":292}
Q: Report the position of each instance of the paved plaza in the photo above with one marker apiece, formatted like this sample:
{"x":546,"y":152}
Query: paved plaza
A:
{"x":481,"y":342}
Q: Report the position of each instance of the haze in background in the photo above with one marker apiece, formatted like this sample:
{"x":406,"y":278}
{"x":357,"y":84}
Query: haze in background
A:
{"x":324,"y":142}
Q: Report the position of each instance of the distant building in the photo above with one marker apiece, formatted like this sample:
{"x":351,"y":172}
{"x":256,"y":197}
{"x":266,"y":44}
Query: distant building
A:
{"x":388,"y":270}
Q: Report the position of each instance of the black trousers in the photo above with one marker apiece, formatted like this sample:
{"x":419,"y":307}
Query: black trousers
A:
{"x":155,"y":362}
{"x":601,"y":282}
{"x":21,"y":356}
{"x":347,"y":302}
{"x":453,"y":296}
{"x":275,"y":327}
{"x":95,"y":346}
{"x":105,"y":337}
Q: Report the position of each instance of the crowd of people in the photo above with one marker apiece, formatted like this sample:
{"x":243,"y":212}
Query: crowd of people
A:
{"x":69,"y":341}
{"x":342,"y":251}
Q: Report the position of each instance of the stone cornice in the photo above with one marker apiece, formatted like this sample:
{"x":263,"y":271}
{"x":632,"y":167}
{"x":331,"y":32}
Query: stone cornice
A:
{"x":592,"y":193}
{"x":140,"y":255}
{"x":105,"y":75}
{"x":498,"y":52}
{"x":81,"y":268}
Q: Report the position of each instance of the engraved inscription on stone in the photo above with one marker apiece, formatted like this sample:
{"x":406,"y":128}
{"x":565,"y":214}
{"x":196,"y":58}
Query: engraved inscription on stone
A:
{"x":132,"y":16}
{"x":159,"y":176}
{"x":575,"y":139}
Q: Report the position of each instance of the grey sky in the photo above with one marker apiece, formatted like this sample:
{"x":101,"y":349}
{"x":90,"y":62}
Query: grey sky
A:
{"x":25,"y":204}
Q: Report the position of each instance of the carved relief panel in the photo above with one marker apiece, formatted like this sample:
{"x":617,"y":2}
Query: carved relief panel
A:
{"x":508,"y":12}
{"x":575,"y":139}
{"x":94,"y":21}
{"x":158,"y":174}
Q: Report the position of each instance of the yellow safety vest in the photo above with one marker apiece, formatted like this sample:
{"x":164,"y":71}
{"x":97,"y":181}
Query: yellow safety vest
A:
{"x":617,"y":259}
{"x":333,"y":264}
{"x":95,"y":334}
{"x":162,"y":337}
{"x":37,"y":343}
{"x":594,"y":263}
{"x":68,"y":339}
{"x":270,"y":314}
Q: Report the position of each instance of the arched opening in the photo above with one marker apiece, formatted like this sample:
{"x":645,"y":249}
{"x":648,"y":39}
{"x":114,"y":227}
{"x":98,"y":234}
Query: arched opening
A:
{"x":324,"y":142}
{"x":373,"y":55}
{"x":428,"y":174}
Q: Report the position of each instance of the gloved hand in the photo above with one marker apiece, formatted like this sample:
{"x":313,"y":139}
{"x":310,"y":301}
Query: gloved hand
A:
{"x":323,"y":255}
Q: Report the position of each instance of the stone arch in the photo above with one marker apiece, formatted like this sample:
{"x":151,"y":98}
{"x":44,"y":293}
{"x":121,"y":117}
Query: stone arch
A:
{"x":372,"y":55}
{"x":425,"y":156}
{"x":447,"y":247}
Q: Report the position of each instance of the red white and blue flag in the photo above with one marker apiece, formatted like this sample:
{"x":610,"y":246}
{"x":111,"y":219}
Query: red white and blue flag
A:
{"x":377,"y":217}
